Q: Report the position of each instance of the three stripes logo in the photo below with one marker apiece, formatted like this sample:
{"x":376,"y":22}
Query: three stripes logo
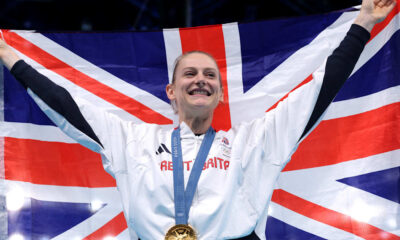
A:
{"x":162,"y":148}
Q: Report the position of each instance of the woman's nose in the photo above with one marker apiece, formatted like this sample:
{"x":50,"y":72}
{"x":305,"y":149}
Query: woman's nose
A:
{"x":200,"y":80}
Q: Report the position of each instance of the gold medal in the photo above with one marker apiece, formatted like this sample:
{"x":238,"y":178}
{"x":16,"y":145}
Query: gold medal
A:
{"x":182,"y":232}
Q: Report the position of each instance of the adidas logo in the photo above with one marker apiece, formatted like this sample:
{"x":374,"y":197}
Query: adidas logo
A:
{"x":162,"y":148}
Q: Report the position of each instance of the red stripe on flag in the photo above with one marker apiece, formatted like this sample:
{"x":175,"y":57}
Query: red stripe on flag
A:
{"x":348,"y":138}
{"x":380,"y":26}
{"x":92,"y":85}
{"x":210,"y":39}
{"x":53,"y":163}
{"x":308,"y":79}
{"x":111,"y":229}
{"x":330,"y":217}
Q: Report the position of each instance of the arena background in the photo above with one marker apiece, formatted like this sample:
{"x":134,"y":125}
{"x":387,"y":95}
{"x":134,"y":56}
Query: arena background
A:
{"x":151,"y":14}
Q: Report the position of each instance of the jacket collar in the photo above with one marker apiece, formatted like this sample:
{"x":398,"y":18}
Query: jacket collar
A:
{"x":186,"y":132}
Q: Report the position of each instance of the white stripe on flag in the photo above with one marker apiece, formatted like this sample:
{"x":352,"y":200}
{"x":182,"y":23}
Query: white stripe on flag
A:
{"x":363,"y":104}
{"x":173,"y":48}
{"x":34,"y":132}
{"x":309,"y":225}
{"x":62,"y":193}
{"x":234,"y":70}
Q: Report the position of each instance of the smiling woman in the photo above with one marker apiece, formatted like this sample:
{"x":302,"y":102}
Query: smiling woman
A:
{"x":195,"y":90}
{"x":162,"y":194}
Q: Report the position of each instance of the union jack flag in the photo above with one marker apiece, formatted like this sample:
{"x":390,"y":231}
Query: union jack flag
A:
{"x":342,"y":183}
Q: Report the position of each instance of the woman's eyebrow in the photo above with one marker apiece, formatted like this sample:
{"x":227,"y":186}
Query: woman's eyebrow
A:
{"x":189,"y":68}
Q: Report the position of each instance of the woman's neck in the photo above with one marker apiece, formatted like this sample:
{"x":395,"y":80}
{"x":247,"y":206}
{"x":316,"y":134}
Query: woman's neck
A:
{"x":198,"y":125}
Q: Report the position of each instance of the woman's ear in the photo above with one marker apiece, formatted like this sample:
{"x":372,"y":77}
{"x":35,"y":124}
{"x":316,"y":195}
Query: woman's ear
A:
{"x":221,"y":96}
{"x":170,"y":90}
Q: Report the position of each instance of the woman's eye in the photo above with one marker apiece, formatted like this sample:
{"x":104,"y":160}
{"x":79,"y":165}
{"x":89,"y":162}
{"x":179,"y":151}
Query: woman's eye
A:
{"x":189,"y":74}
{"x":210,"y":75}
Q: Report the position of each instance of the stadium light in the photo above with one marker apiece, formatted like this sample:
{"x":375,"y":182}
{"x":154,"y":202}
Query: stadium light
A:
{"x":95,"y":205}
{"x":109,"y":238}
{"x":392,"y":223}
{"x":16,"y":236}
{"x":15,"y":199}
{"x":362,"y":211}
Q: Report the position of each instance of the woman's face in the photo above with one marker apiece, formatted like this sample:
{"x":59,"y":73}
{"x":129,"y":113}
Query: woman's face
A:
{"x":197,"y":88}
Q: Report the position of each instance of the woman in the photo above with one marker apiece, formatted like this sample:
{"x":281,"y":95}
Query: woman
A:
{"x":159,"y":191}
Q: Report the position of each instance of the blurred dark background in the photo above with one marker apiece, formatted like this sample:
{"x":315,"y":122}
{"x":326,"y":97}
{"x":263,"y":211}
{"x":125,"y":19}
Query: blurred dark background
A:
{"x":100,"y":15}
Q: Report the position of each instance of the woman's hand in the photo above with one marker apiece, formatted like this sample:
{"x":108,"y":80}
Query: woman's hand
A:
{"x":374,"y":11}
{"x":7,"y":56}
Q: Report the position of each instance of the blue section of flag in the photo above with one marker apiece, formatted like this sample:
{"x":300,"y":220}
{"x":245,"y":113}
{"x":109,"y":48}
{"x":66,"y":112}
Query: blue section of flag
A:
{"x":364,"y":81}
{"x":277,"y":229}
{"x":19,"y":106}
{"x":138,"y":58}
{"x":385,"y":183}
{"x":45,"y":220}
{"x":265,"y":45}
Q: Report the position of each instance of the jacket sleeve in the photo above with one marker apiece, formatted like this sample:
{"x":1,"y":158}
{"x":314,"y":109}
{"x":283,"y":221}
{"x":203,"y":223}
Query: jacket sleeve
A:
{"x":93,"y":128}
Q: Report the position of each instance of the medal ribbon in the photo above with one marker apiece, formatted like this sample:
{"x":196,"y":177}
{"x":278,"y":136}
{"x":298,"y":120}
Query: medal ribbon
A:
{"x":183,"y":198}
